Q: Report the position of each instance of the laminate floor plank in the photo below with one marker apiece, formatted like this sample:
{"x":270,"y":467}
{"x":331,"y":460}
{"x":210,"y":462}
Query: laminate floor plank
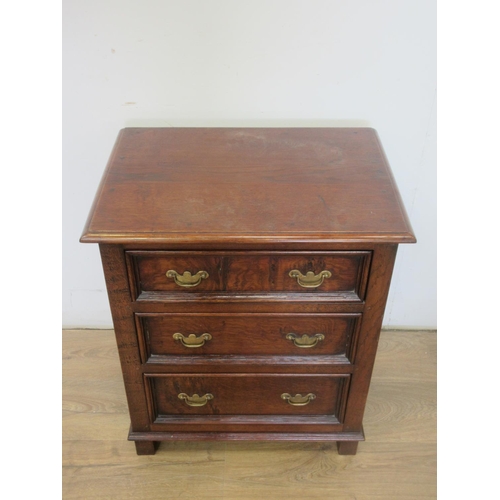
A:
{"x":408,"y":355}
{"x":398,"y":460}
{"x":111,"y":469}
{"x":81,"y":425}
{"x":94,"y":396}
{"x":397,"y":411}
{"x":312,"y":470}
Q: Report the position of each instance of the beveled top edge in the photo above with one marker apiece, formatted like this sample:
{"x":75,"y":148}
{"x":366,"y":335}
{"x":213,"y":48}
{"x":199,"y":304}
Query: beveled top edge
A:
{"x":405,"y":233}
{"x":231,"y":238}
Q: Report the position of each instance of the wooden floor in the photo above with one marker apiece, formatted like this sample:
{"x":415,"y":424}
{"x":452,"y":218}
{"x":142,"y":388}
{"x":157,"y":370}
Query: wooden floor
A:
{"x":397,"y":460}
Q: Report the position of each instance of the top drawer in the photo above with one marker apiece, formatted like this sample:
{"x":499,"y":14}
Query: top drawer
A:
{"x":158,"y":274}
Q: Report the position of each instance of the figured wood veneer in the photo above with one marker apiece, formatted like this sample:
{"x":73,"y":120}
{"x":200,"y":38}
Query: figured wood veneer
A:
{"x":230,"y":186}
{"x":251,"y":272}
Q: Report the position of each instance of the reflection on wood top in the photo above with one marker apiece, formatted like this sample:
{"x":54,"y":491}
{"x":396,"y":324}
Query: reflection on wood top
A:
{"x":247,"y":185}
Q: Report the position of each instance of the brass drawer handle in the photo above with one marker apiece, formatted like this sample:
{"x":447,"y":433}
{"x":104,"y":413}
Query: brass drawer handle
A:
{"x":186,"y":279}
{"x":310,"y":280}
{"x":305,"y":341}
{"x":298,"y":399}
{"x":192,"y":340}
{"x":196,"y":400}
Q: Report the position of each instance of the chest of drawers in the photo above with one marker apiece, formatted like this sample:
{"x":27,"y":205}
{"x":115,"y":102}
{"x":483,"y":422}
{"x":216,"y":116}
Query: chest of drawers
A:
{"x":247,"y":272}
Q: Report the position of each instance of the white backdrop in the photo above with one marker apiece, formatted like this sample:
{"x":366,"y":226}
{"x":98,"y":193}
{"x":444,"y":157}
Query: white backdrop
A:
{"x":263,"y":63}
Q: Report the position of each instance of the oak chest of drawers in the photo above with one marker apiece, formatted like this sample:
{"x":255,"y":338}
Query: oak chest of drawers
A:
{"x":247,"y":272}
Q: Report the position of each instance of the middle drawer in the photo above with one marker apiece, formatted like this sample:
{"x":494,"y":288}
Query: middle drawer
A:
{"x":195,"y":334}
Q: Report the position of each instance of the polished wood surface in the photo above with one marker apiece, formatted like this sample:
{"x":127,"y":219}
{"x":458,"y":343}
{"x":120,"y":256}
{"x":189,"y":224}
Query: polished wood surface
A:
{"x":243,"y":222}
{"x":397,"y":462}
{"x":247,"y":334}
{"x":252,"y":185}
{"x":251,"y":272}
{"x":247,"y":394}
{"x":120,"y":289}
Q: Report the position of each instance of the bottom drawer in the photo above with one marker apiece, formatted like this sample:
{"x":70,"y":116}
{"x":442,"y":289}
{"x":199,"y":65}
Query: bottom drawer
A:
{"x":246,"y":394}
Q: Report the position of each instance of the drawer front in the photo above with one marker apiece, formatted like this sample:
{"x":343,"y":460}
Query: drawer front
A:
{"x":342,"y":273}
{"x":246,"y":394}
{"x":259,"y":334}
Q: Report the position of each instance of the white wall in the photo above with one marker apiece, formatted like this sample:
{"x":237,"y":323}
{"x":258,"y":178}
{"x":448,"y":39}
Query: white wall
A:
{"x":255,"y":63}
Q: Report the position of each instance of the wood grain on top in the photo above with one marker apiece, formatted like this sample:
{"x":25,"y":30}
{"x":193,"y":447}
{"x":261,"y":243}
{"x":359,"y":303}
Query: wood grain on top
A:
{"x":245,"y":185}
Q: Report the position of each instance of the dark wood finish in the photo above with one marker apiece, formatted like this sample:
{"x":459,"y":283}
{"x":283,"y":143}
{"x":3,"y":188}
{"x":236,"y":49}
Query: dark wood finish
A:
{"x":237,"y":303}
{"x":247,"y":185}
{"x":347,"y":447}
{"x":248,"y":436}
{"x":246,"y":394}
{"x":114,"y":266}
{"x":247,"y":206}
{"x":380,"y":277}
{"x":346,"y":437}
{"x":258,"y":334}
{"x":248,"y":423}
{"x":251,"y":271}
{"x":146,"y":447}
{"x":249,"y":363}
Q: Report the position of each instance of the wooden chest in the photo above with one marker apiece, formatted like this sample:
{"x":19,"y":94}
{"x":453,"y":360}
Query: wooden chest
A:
{"x":247,"y":272}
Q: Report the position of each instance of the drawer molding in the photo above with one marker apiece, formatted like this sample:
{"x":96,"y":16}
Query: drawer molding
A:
{"x":243,"y":395}
{"x":255,"y":364}
{"x":165,"y":335}
{"x":289,"y":435}
{"x":341,"y":275}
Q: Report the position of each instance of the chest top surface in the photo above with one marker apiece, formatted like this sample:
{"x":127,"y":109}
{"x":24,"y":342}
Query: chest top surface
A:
{"x":247,"y":184}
